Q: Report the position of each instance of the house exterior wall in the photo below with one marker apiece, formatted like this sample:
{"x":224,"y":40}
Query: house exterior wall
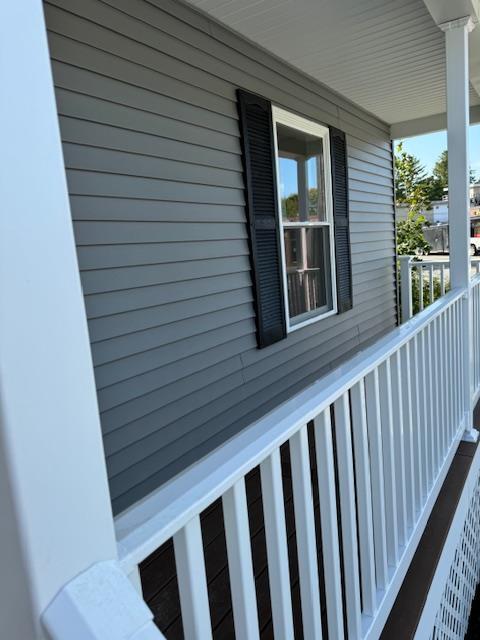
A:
{"x":148,"y":117}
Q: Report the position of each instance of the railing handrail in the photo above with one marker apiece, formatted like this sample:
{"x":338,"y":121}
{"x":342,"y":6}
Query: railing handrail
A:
{"x":146,"y":526}
{"x":435,"y":263}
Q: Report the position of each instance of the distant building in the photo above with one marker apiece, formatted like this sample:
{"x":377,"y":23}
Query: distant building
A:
{"x":438,"y":212}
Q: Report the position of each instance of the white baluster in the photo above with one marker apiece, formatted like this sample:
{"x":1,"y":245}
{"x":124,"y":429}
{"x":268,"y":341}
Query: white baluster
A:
{"x":364,"y":498}
{"x":328,"y":517}
{"x":192,"y":581}
{"x":305,"y":534}
{"x":242,"y":582}
{"x":398,"y":443}
{"x":416,"y":421}
{"x":374,"y":427}
{"x":420,"y":286}
{"x":348,"y":516}
{"x":406,"y":374}
{"x":430,"y":283}
{"x":385,"y":386}
{"x":406,"y":287}
{"x":277,"y":551}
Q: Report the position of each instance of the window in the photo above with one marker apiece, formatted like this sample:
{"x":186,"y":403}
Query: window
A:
{"x":306,"y":218}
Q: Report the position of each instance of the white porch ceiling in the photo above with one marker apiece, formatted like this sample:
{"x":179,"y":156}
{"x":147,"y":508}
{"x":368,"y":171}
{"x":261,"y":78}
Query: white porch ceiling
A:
{"x":388,"y":56}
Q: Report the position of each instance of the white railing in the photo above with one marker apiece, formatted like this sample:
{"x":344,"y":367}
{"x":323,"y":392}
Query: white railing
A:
{"x":385,"y":426}
{"x":475,"y":338}
{"x":424,"y":281}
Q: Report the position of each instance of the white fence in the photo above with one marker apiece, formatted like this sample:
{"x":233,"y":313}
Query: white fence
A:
{"x":424,"y":281}
{"x":386,"y":426}
{"x":475,"y":338}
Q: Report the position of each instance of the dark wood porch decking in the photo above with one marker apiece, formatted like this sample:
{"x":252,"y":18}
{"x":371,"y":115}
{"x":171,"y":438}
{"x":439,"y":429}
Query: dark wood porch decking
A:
{"x":159,"y":580}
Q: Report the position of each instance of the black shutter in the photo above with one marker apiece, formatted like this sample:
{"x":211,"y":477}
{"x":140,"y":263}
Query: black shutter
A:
{"x":262,"y":202}
{"x":343,"y":260}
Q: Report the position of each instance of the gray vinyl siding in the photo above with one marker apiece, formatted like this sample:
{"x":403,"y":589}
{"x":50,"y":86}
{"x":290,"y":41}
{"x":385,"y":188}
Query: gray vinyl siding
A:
{"x":148,"y":118}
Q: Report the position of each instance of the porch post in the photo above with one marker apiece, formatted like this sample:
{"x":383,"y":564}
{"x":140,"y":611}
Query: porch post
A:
{"x":456,"y":38}
{"x":56,"y":524}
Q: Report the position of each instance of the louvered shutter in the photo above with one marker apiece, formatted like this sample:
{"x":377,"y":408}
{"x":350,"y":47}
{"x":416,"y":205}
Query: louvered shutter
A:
{"x":262,"y":201}
{"x":343,"y":260}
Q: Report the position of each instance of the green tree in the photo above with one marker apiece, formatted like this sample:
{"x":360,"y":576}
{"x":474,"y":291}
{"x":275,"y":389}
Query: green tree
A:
{"x":410,"y":240}
{"x":411,"y":182}
{"x":439,"y":179}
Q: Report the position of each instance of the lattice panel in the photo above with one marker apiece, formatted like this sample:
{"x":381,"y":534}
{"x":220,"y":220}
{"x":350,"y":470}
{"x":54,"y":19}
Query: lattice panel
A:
{"x":451,"y":621}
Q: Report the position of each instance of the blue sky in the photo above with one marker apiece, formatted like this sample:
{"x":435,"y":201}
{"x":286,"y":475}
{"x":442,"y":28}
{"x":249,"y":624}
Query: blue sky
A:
{"x":428,"y":147}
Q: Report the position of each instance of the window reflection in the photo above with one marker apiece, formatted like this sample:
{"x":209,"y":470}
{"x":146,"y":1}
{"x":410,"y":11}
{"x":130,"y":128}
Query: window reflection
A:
{"x":302,"y":188}
{"x":307,"y":258}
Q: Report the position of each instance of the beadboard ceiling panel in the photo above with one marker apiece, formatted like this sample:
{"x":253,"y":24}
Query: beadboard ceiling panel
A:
{"x":386,"y":56}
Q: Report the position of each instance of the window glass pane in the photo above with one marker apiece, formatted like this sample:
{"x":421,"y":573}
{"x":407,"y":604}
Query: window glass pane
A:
{"x":316,"y":204}
{"x":307,"y":256}
{"x":289,"y":189}
{"x":302,"y":184}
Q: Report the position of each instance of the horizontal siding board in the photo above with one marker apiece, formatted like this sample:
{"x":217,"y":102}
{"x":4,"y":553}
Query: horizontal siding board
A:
{"x":106,"y":161}
{"x":141,"y":47}
{"x":120,"y":432}
{"x":371,"y":227}
{"x":126,"y":345}
{"x":97,"y":110}
{"x":143,"y":276}
{"x":93,"y":232}
{"x":373,"y":177}
{"x":140,"y":363}
{"x":127,"y":186}
{"x":361,"y":149}
{"x":141,"y":319}
{"x":201,"y":383}
{"x":117,"y":394}
{"x":86,"y":82}
{"x":217,"y":431}
{"x":148,"y":118}
{"x":371,"y":198}
{"x":152,"y":143}
{"x":72,"y":71}
{"x":367,"y":168}
{"x":121,"y":462}
{"x":98,"y":208}
{"x":368,"y":187}
{"x":104,"y":256}
{"x":369,"y":208}
{"x":98,"y":305}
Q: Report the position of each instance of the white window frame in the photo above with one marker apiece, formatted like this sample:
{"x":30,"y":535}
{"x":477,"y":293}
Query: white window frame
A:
{"x":280,"y":116}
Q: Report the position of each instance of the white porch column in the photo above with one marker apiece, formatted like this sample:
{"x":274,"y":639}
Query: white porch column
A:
{"x":456,"y":38}
{"x":55,"y":515}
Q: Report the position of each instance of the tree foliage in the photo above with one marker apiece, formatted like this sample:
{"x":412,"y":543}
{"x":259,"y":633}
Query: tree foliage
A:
{"x":410,"y":240}
{"x":290,"y":204}
{"x":411,"y":182}
{"x":439,"y":178}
